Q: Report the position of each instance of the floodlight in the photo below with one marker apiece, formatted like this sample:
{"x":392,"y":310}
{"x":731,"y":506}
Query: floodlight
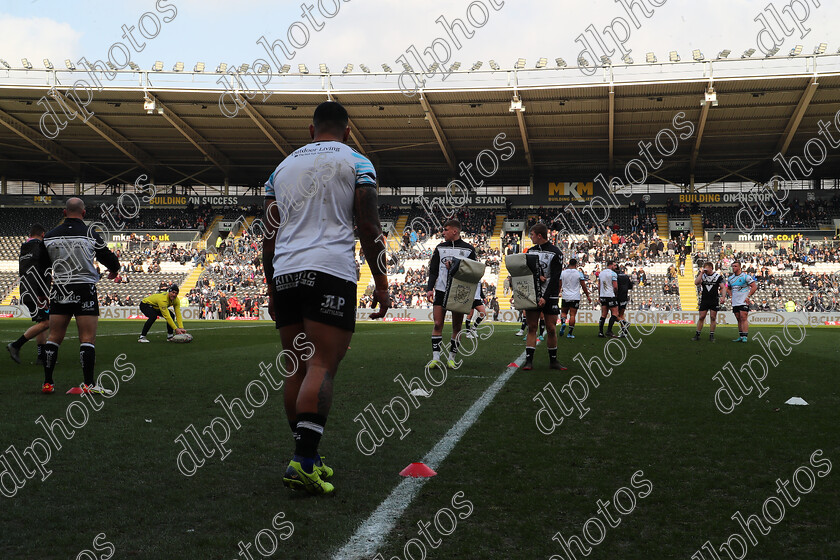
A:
{"x":820,"y":49}
{"x":364,"y":68}
{"x":494,"y":65}
{"x":560,"y":62}
{"x":133,"y":65}
{"x":697,"y":55}
{"x":263,"y":69}
{"x":347,"y":69}
{"x":627,"y":59}
{"x":26,"y":63}
{"x":433,"y":68}
{"x":674,"y":56}
{"x":407,"y":67}
{"x":243,"y":68}
{"x":47,"y":64}
{"x":285,"y":68}
{"x":455,"y":66}
{"x":520,"y":64}
{"x":111,"y":66}
{"x":386,"y":68}
{"x":542,"y":62}
{"x":221,"y":68}
{"x":68,"y":63}
{"x":199,"y":67}
{"x":605,"y":60}
{"x":650,"y":58}
{"x":179,"y":67}
{"x":478,"y":64}
{"x":796,"y":51}
{"x":582,"y":62}
{"x":724,"y":53}
{"x":6,"y":64}
{"x":748,"y":53}
{"x":772,"y":52}
{"x":158,"y":66}
{"x":303,"y":69}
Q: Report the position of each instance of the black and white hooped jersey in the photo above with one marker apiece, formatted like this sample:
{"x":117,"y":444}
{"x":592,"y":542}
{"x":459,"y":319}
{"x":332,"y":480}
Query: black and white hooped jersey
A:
{"x":710,"y":285}
{"x":551,"y":267}
{"x":444,"y":253}
{"x":72,"y":248}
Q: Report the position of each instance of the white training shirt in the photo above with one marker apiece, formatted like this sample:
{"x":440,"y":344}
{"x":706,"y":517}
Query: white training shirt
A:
{"x":315,"y":188}
{"x":605,"y":281}
{"x":740,"y":285}
{"x":570,"y":280}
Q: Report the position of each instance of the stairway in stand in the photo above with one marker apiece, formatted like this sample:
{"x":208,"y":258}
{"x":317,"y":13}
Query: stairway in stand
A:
{"x":496,"y":241}
{"x":192,"y":279}
{"x":688,"y":291}
{"x":662,"y":228}
{"x":697,"y":229}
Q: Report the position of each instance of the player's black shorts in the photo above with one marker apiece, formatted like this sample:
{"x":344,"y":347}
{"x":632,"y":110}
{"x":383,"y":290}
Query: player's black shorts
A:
{"x":709,"y":305}
{"x":150,"y":310}
{"x":623,"y":304}
{"x":570,"y":304}
{"x":609,"y":301}
{"x":550,"y":307}
{"x":737,"y":308}
{"x":316,"y":296}
{"x":439,"y":296}
{"x":477,"y":303}
{"x":38,"y":307}
{"x":74,"y":299}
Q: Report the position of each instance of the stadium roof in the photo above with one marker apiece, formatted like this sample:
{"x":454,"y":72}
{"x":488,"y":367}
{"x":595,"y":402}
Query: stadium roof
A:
{"x":574,"y":126}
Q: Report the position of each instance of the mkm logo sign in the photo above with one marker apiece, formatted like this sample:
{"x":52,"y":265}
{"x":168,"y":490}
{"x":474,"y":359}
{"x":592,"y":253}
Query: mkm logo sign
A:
{"x":570,"y":192}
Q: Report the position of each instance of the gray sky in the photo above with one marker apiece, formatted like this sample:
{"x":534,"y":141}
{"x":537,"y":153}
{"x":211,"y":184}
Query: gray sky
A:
{"x":379,"y":31}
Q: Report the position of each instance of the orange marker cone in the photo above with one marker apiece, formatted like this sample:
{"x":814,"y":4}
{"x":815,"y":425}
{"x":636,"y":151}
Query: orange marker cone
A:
{"x":417,"y":470}
{"x":74,"y":391}
{"x":512,"y":364}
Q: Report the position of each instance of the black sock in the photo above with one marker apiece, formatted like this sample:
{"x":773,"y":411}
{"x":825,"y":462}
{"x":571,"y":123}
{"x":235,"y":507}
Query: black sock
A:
{"x":571,"y":328}
{"x":453,"y":347}
{"x":529,"y":353}
{"x":50,"y":359}
{"x":436,"y":341}
{"x":698,"y":334}
{"x":87,"y":354}
{"x":41,"y":352}
{"x":478,"y":321}
{"x":310,"y":428}
{"x":601,"y":325}
{"x":552,"y":354}
{"x":467,"y":324}
{"x":542,"y":327}
{"x":611,"y":323}
{"x":19,"y":342}
{"x":524,"y":323}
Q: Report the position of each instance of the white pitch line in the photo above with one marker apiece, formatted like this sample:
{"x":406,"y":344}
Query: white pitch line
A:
{"x":370,"y":535}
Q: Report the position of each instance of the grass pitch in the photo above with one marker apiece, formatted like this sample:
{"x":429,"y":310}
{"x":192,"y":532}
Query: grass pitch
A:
{"x":654,"y":413}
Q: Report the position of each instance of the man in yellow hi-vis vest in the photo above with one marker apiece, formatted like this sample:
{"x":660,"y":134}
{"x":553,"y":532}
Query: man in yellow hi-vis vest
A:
{"x":157,"y":305}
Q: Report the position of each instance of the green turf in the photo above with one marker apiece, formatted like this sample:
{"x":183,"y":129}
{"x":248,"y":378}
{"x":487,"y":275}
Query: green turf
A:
{"x":654,"y":413}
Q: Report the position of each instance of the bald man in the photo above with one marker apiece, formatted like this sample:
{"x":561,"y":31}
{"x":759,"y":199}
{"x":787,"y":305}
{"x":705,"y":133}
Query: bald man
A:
{"x":72,"y":248}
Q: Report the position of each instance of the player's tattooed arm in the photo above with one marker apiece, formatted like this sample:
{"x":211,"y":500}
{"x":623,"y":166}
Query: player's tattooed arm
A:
{"x":370,"y":231}
{"x":271,"y":224}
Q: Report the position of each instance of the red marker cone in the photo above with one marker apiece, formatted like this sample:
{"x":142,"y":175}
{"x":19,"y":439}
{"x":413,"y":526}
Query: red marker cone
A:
{"x":417,"y":470}
{"x":512,"y":364}
{"x":74,"y":391}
